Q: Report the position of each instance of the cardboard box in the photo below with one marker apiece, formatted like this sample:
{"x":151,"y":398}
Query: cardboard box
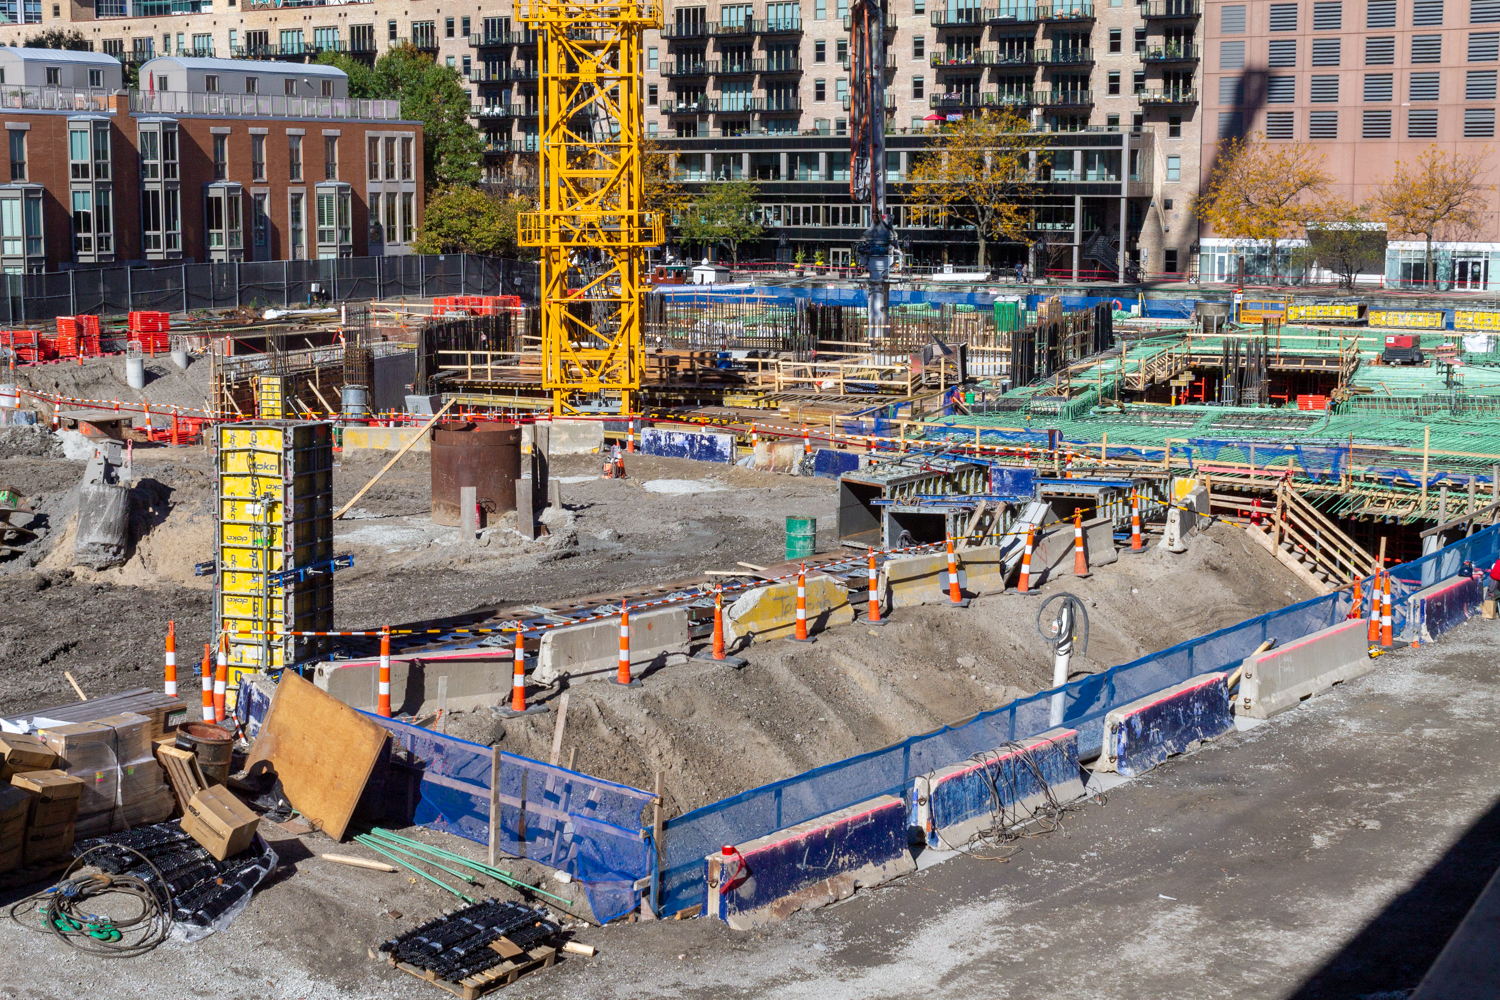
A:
{"x":24,"y":753}
{"x":47,"y":843}
{"x":80,"y":742}
{"x":218,"y":820}
{"x":53,"y":796}
{"x":12,"y":832}
{"x":10,"y":857}
{"x":15,"y":803}
{"x":132,"y":736}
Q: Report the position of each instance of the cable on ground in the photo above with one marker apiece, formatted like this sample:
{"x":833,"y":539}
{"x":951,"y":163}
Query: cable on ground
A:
{"x":66,"y":910}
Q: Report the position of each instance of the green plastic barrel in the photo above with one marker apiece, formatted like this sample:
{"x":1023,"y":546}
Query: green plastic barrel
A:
{"x":801,"y":537}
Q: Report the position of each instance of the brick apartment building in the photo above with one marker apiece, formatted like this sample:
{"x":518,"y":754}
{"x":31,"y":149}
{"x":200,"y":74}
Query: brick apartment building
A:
{"x":1368,"y":82}
{"x":220,"y":160}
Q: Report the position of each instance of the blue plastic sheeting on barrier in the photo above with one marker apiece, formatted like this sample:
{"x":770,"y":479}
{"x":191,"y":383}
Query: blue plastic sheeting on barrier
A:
{"x":1012,"y":782}
{"x":832,"y":463}
{"x":1443,"y":605}
{"x":1146,"y":733}
{"x":582,"y":825}
{"x":1016,"y":482}
{"x":697,"y":445}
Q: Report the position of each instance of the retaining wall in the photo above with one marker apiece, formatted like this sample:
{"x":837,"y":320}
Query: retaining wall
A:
{"x":1145,"y":732}
{"x":1280,"y":678}
{"x":811,"y":864}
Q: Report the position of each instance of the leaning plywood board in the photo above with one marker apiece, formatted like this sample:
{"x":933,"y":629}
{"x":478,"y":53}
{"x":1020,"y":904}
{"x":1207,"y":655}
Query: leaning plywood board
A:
{"x":322,"y":750}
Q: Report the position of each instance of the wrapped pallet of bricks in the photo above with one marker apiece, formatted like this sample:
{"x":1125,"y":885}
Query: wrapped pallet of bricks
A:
{"x":14,"y":805}
{"x":124,"y":786}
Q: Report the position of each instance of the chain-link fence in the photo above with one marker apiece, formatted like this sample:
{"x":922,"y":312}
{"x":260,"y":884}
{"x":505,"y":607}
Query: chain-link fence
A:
{"x":261,"y":284}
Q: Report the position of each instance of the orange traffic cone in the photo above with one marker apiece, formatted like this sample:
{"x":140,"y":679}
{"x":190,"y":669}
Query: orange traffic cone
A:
{"x":800,"y":634}
{"x":208,"y":684}
{"x":171,"y":680}
{"x":383,"y":695}
{"x":956,"y":599}
{"x":1372,"y":634}
{"x":874,"y":616}
{"x":221,"y":679}
{"x":1386,"y":639}
{"x":1080,"y":560}
{"x":1023,"y":586}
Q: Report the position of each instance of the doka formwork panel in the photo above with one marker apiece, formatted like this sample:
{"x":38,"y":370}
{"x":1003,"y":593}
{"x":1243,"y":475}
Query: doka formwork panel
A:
{"x":275,"y":514}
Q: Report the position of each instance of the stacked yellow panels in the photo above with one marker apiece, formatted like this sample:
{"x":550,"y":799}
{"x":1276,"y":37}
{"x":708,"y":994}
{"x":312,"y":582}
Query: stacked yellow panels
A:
{"x":275,"y":515}
{"x":270,"y":397}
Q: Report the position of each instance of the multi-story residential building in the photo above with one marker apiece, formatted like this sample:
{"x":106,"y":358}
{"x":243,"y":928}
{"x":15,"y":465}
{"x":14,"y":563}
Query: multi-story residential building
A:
{"x":760,"y":89}
{"x":222,"y":160}
{"x":1368,"y":83}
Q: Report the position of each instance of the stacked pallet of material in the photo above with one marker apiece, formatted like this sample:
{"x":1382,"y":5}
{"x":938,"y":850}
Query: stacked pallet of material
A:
{"x":114,"y":757}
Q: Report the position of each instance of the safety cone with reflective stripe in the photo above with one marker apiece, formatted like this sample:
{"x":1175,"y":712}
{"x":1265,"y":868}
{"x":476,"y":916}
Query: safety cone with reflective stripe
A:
{"x":622,"y":675}
{"x":956,"y":599}
{"x":1080,"y":559}
{"x":208,"y":683}
{"x":874,"y":616}
{"x":1023,"y":585}
{"x":1026,"y":462}
{"x":221,"y":679}
{"x":806,"y":442}
{"x":718,"y":652}
{"x":630,"y":441}
{"x":1372,"y":634}
{"x":1386,"y":639}
{"x":619,"y":463}
{"x":800,"y":635}
{"x":171,"y":682}
{"x":518,"y":704}
{"x":383,"y":695}
{"x":1136,"y":545}
{"x":1357,"y":607}
{"x":1255,"y":513}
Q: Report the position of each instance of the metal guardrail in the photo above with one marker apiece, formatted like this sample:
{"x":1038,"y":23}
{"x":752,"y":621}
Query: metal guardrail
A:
{"x":19,"y":97}
{"x":174,"y":102}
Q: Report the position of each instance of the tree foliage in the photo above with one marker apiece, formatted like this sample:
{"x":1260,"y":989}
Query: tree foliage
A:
{"x":1439,"y":196}
{"x":463,"y":219}
{"x":664,"y":193}
{"x":1344,"y":240}
{"x":982,"y":171}
{"x":723,"y":214}
{"x":431,"y":94}
{"x":1263,"y":191}
{"x":59,"y":38}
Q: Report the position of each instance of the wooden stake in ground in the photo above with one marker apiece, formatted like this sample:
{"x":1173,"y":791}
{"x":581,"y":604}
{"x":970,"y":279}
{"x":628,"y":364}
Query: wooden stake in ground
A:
{"x":557,"y":730}
{"x":81,"y":695}
{"x":353,"y":862}
{"x":394,"y":459}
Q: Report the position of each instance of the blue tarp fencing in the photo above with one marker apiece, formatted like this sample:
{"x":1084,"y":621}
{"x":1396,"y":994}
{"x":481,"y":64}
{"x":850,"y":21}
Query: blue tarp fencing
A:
{"x":587,"y":827}
{"x":764,"y":810}
{"x":787,"y":296}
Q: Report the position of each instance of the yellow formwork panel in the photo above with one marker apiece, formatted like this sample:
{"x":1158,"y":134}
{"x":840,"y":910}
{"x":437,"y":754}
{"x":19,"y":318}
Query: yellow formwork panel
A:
{"x":1408,"y":319}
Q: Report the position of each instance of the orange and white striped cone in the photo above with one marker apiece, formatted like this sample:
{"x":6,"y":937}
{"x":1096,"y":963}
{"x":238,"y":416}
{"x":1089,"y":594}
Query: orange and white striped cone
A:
{"x":171,"y":681}
{"x":622,"y":674}
{"x":718,"y":652}
{"x":1357,"y":606}
{"x":518,"y":704}
{"x":619,"y":464}
{"x":1026,"y":462}
{"x":1372,"y":634}
{"x":1136,"y":544}
{"x":800,"y":635}
{"x":1023,"y":584}
{"x":221,"y":678}
{"x":1080,"y":558}
{"x":630,"y":441}
{"x":1386,"y":638}
{"x":874,"y":574}
{"x":383,"y":694}
{"x":806,"y":442}
{"x":956,"y":599}
{"x":1068,"y":468}
{"x":208,"y":683}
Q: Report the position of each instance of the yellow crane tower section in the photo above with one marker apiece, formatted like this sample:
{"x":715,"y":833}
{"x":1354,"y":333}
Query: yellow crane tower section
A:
{"x":590,"y":226}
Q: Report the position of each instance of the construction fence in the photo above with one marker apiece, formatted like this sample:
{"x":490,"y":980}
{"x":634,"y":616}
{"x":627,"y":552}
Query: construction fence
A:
{"x":278,"y":284}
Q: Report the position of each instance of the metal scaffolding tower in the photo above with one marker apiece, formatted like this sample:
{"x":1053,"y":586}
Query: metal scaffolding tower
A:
{"x":590,"y":227}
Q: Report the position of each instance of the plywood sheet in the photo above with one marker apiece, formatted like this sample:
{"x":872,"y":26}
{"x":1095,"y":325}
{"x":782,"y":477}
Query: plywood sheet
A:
{"x":323,"y":751}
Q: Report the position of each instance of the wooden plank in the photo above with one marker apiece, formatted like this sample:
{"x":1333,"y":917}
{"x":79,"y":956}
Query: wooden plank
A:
{"x":323,"y":752}
{"x":492,"y":979}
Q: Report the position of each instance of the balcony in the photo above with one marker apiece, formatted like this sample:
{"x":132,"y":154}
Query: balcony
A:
{"x":1016,"y":57}
{"x":1011,"y":15}
{"x":170,"y":102}
{"x":964,"y":99}
{"x":1172,"y":10}
{"x":783,"y":104}
{"x":293,"y":51}
{"x":479,"y":41}
{"x":684,"y":68}
{"x":1167,"y":98}
{"x":1064,"y":98}
{"x":362,"y":46}
{"x":501,"y":111}
{"x":733,"y":105}
{"x":890,"y":21}
{"x":778,"y":26}
{"x":425,"y":41}
{"x":778,"y":65}
{"x":720,"y":30}
{"x":698,"y":107}
{"x":1066,"y":12}
{"x":1064,"y":57}
{"x":503,"y":73}
{"x":1170,"y":54}
{"x":958,"y":17}
{"x":963,"y":60}
{"x":736,"y":67}
{"x":530,"y":145}
{"x":890,"y":102}
{"x":697,"y":29}
{"x":199,"y":53}
{"x":22,"y":97}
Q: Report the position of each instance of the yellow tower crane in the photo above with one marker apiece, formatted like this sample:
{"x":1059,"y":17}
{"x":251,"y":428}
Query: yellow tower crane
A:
{"x":590,"y":227}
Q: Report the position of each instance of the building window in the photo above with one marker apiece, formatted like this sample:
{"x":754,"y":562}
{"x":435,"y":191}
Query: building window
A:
{"x":1174,"y":127}
{"x":408,"y":217}
{"x":96,"y":78}
{"x":252,"y":84}
{"x":80,"y":154}
{"x":294,"y":157}
{"x":289,"y":87}
{"x":1174,"y":168}
{"x":1380,"y":14}
{"x":223,"y":218}
{"x":447,"y":29}
{"x":331,"y":157}
{"x":221,"y":157}
{"x":1479,"y":123}
{"x":260,"y":227}
{"x":652,"y":95}
{"x":406,"y":151}
{"x":1280,"y":124}
{"x":390,"y":31}
{"x":919,"y":47}
{"x":464,"y":29}
{"x":372,"y":157}
{"x":1421,"y":123}
{"x":1140,"y":41}
{"x":1113,"y":83}
{"x":919,"y":6}
{"x":918,"y":87}
{"x":651,"y":57}
{"x":83,"y":222}
{"x":1116,"y":40}
{"x":258,"y":157}
{"x":1376,"y":125}
{"x":297,"y":226}
{"x":1322,"y":124}
{"x":820,"y":51}
{"x":820,"y":90}
{"x":327,"y":208}
{"x":1138,"y":82}
{"x":390,"y":159}
{"x":1112,"y":124}
{"x":392,"y":234}
{"x":54,"y":76}
{"x":17,"y":154}
{"x":327,"y":90}
{"x":841,"y":50}
{"x":211,"y":83}
{"x":1169,"y":260}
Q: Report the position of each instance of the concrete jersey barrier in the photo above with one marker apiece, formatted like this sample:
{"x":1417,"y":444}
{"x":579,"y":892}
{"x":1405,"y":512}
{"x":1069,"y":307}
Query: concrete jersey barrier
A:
{"x":770,"y":612}
{"x":592,"y":651}
{"x":809,"y":865}
{"x":475,"y":679}
{"x":952,"y":804}
{"x":568,"y":437}
{"x":1281,"y":678}
{"x":1145,"y":732}
{"x":1433,"y":610}
{"x":384,"y":439}
{"x":701,"y":446}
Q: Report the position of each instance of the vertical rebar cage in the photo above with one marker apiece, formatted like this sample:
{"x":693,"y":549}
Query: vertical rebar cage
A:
{"x":591,"y":227}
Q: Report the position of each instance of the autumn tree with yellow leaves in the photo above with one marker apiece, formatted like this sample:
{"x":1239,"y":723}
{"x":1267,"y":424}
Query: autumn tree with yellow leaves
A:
{"x":1439,"y":196}
{"x":1263,"y":191}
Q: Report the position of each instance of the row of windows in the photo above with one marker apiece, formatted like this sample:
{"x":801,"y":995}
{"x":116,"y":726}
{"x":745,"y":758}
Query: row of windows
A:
{"x":1483,"y":47}
{"x":1328,"y":15}
{"x":1479,"y":85}
{"x":1421,"y":123}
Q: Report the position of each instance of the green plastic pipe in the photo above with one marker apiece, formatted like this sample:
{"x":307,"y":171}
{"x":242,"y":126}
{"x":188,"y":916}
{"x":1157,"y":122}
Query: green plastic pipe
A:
{"x":415,"y":870}
{"x":392,"y":839}
{"x":361,"y":838}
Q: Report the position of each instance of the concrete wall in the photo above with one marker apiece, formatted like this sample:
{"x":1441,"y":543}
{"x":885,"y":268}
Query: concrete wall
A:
{"x":1142,"y":734}
{"x":591,"y":652}
{"x":770,"y":612}
{"x":475,"y":679}
{"x":810,"y":865}
{"x":384,"y":438}
{"x":568,"y":437}
{"x":954,"y":803}
{"x":1280,"y":678}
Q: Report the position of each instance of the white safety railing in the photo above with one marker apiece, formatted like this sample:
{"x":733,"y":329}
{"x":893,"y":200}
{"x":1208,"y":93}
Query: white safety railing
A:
{"x":20,"y":97}
{"x":176,"y":102}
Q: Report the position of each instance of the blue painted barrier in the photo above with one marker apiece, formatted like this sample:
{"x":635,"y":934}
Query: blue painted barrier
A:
{"x":1438,"y":608}
{"x":701,"y":446}
{"x":832,"y":463}
{"x":1142,"y":734}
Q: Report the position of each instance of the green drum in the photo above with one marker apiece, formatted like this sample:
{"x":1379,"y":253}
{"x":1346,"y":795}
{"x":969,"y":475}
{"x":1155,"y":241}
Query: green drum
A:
{"x":801,"y":537}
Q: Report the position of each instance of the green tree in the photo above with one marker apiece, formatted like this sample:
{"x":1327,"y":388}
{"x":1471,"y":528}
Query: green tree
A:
{"x":462,"y":219}
{"x":361,"y":76}
{"x":1342,"y":239}
{"x":725,"y":213}
{"x":59,"y":38}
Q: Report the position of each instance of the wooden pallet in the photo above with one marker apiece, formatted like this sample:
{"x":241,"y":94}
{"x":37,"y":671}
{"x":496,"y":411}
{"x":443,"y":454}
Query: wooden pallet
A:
{"x":182,"y":771}
{"x":39,"y":871}
{"x":490,"y":980}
